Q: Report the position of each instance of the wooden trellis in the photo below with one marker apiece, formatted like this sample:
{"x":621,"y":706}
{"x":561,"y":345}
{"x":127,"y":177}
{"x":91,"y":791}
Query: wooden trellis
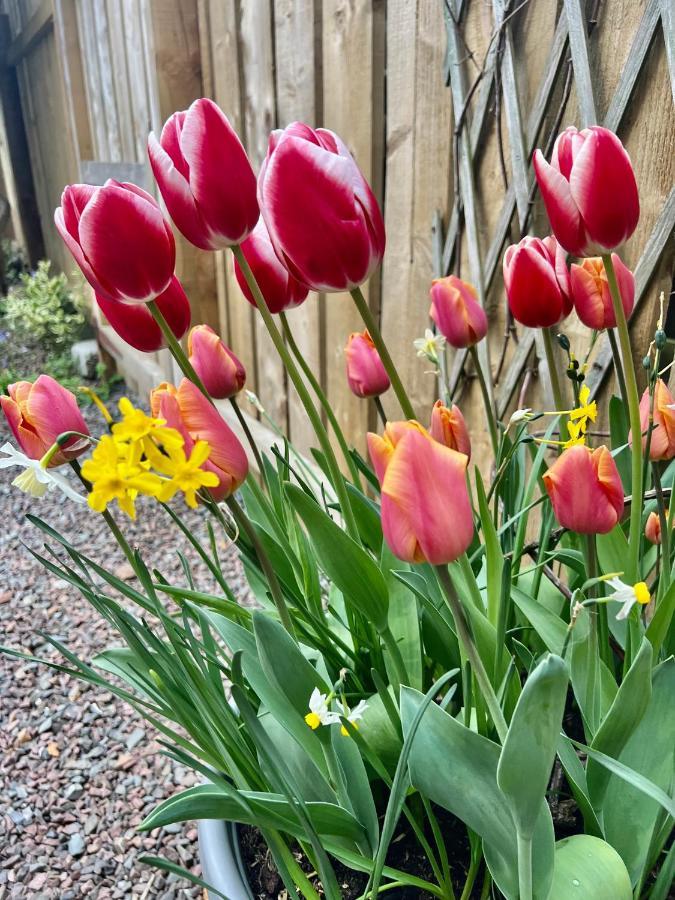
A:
{"x":472,"y":111}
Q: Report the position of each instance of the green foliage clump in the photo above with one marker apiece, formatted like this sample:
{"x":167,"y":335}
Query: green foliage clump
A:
{"x":45,"y":310}
{"x":13,"y":262}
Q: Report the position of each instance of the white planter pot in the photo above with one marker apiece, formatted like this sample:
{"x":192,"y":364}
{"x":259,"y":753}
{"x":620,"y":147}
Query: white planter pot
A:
{"x":221,"y":861}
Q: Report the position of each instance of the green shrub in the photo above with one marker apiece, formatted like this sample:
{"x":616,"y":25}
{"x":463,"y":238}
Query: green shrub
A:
{"x":45,"y":310}
{"x":13,"y":263}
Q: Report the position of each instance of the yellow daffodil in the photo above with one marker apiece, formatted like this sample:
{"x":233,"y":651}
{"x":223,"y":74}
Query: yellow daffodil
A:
{"x":185,"y":473}
{"x":117,"y":472}
{"x":137,"y":426}
{"x":586,"y":411}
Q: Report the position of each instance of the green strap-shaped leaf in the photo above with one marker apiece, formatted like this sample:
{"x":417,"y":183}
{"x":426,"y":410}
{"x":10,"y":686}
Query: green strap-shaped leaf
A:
{"x":587,"y":868}
{"x":346,"y":563}
{"x":529,"y":749}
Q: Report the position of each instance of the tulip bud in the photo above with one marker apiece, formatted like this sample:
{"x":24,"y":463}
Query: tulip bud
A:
{"x":280,"y":290}
{"x":366,"y":374}
{"x":662,"y":440}
{"x":186,"y":409}
{"x":136,"y":325}
{"x":205,"y":177}
{"x":449,"y":428}
{"x":119,"y":239}
{"x":585,"y":489}
{"x":537,"y":282}
{"x":38,"y":413}
{"x":589,"y":191}
{"x":220,"y":371}
{"x":426,"y":511}
{"x":653,"y":528}
{"x":591,"y":294}
{"x":322,"y":217}
{"x":456,"y":311}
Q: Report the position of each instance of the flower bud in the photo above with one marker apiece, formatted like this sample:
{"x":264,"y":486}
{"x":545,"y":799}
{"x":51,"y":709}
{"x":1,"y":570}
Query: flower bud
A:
{"x":591,"y":294}
{"x":135,"y":323}
{"x":449,"y":428}
{"x":220,"y":371}
{"x":585,"y":489}
{"x":456,"y":311}
{"x":366,"y":374}
{"x":662,"y":440}
{"x":280,"y":290}
{"x":653,"y":528}
{"x":537,"y":282}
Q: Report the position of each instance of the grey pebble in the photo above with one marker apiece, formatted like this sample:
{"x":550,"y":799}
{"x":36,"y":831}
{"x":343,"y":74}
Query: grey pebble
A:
{"x":76,"y":844}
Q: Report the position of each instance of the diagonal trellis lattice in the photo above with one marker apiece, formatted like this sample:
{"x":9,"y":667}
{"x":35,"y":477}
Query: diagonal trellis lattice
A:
{"x":497,"y":83}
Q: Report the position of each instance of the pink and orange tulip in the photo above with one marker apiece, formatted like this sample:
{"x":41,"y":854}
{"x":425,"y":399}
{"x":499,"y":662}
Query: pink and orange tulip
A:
{"x":323,"y":219}
{"x":38,"y":413}
{"x":279,"y":288}
{"x":456,"y":311}
{"x":186,"y":409}
{"x":590,"y":291}
{"x":585,"y":489}
{"x":589,"y":191}
{"x":119,"y":239}
{"x":537,"y":282}
{"x":662,"y":440}
{"x":426,"y":511}
{"x":366,"y":374}
{"x":136,"y":325}
{"x":220,"y":371}
{"x":448,"y":427}
{"x":653,"y":528}
{"x":205,"y":177}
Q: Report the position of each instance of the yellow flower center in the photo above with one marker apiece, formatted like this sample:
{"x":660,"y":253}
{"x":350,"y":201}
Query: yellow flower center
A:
{"x":312,"y":720}
{"x":642,"y":594}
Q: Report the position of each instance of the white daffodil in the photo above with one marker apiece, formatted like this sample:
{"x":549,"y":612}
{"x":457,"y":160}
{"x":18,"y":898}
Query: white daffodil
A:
{"x":254,"y":401}
{"x":319,"y":714}
{"x":429,"y":346}
{"x":35,"y":480}
{"x":354,"y":715}
{"x":520,"y":415}
{"x":628,"y":595}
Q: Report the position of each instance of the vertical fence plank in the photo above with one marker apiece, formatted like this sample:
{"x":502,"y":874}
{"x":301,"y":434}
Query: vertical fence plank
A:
{"x":257,"y":49}
{"x":294,"y":24}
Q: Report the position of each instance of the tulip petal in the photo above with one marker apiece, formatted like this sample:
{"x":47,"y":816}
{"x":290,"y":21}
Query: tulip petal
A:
{"x":561,"y":209}
{"x":602,"y":185}
{"x":425,"y":484}
{"x":78,"y":255}
{"x":279,"y":288}
{"x":221,"y":178}
{"x":585,"y":490}
{"x":51,"y":410}
{"x":125,"y":240}
{"x":533,"y":292}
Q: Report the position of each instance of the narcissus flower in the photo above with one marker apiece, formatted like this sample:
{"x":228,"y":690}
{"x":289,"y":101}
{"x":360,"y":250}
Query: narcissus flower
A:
{"x":137,"y":426}
{"x":366,"y":374}
{"x":537,"y":282}
{"x":662,"y":440}
{"x":430,"y":346}
{"x":35,"y":479}
{"x":449,"y":428}
{"x":135,"y":323}
{"x":185,"y":473}
{"x":585,"y":489}
{"x":456,"y":311}
{"x":426,"y":511}
{"x":321,"y":714}
{"x":591,"y":295}
{"x":589,"y":190}
{"x":220,"y":371}
{"x":628,"y":595}
{"x":119,"y":239}
{"x":279,"y":288}
{"x":117,"y":472}
{"x":323,"y":219}
{"x":38,"y":413}
{"x":187,"y":410}
{"x":205,"y":177}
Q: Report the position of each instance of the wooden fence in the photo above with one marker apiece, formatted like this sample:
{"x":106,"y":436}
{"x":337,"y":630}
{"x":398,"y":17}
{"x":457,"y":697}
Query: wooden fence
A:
{"x":408,"y":84}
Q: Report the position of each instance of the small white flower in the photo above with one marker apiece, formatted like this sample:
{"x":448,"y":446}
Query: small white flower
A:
{"x":254,"y":401}
{"x":35,"y":480}
{"x":429,"y":346}
{"x":628,"y":595}
{"x":520,"y":415}
{"x":319,"y":714}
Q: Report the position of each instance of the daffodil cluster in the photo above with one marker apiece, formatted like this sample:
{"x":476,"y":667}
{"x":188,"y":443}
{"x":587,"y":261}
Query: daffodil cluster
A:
{"x":144,"y":456}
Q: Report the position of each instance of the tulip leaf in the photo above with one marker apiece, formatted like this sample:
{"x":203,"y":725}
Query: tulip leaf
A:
{"x":593,"y":684}
{"x":623,"y":717}
{"x":347,"y":564}
{"x":587,"y":867}
{"x":658,"y":628}
{"x":529,"y":749}
{"x":550,"y":628}
{"x":403,"y":618}
{"x":353,"y":788}
{"x":367,"y":517}
{"x":494,"y":558}
{"x":612,"y":551}
{"x":457,"y":769}
{"x":629,"y":814}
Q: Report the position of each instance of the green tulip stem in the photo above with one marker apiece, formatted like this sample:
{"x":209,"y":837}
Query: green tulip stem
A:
{"x":249,"y":437}
{"x":467,"y":643}
{"x":664,"y":579}
{"x":618,"y":367}
{"x":176,"y":350}
{"x":635,"y":534}
{"x":303,"y":393}
{"x":321,"y":397}
{"x":524,"y":867}
{"x":380,"y":411}
{"x":490,"y":410}
{"x":547,"y":337}
{"x":599,"y":614}
{"x":381,"y":347}
{"x":389,"y":642}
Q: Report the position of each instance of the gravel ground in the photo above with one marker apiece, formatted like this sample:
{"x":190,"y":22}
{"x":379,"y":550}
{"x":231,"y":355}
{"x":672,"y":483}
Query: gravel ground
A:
{"x":79,"y":768}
